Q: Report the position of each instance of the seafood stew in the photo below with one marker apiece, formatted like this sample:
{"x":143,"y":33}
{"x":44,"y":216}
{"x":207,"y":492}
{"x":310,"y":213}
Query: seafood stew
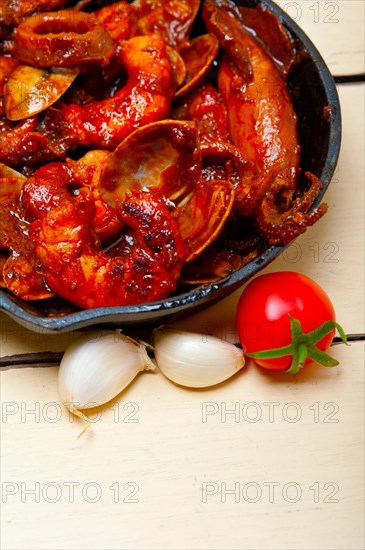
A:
{"x":154,"y":194}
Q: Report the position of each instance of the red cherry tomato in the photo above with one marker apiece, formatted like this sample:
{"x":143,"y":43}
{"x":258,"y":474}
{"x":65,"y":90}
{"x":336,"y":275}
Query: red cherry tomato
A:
{"x":264,"y":310}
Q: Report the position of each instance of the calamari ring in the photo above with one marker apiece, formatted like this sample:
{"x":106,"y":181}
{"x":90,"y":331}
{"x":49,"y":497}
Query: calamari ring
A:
{"x":63,"y":38}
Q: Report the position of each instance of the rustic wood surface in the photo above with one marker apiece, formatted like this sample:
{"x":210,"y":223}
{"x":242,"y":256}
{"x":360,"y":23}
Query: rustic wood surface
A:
{"x":260,"y":462}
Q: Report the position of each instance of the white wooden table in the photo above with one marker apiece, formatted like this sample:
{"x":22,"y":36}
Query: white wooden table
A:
{"x":261,"y":462}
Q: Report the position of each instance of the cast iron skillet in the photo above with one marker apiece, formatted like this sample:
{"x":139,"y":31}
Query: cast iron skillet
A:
{"x":313,"y":88}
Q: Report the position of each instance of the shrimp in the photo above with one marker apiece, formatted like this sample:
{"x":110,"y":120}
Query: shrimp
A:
{"x":145,"y":98}
{"x":69,"y":249}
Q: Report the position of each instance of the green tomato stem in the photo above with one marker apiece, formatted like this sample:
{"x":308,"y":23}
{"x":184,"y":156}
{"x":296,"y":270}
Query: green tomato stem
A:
{"x":303,"y":345}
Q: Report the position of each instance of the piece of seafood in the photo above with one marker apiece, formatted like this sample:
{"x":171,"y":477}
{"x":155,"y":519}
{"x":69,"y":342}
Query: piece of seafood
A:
{"x":20,"y":270}
{"x":69,"y":249}
{"x":146,"y":97}
{"x":263,"y":125}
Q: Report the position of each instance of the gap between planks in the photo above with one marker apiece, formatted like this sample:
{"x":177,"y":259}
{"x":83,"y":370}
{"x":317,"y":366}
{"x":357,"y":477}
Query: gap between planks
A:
{"x":51,"y":359}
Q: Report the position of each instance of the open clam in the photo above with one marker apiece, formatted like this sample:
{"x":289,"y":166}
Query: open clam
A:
{"x":30,"y":90}
{"x":198,"y":57}
{"x":162,"y":156}
{"x":202,"y":214}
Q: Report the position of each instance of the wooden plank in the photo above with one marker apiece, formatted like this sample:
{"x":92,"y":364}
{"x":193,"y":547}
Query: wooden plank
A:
{"x":335,"y":27}
{"x":158,"y":467}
